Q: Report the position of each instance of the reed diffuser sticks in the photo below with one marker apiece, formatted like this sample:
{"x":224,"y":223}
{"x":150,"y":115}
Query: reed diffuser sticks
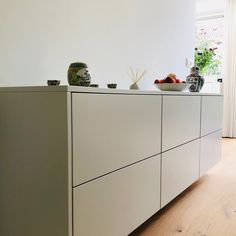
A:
{"x":136,"y":75}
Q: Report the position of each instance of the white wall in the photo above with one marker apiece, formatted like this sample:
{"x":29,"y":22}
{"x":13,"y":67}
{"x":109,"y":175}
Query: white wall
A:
{"x":39,"y":39}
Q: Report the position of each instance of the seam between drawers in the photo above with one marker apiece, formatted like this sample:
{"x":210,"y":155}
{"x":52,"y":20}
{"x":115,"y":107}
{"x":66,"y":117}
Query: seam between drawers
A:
{"x":116,"y":170}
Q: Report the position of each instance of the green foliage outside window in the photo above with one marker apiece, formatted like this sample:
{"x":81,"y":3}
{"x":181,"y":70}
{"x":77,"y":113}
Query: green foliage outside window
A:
{"x":207,"y":61}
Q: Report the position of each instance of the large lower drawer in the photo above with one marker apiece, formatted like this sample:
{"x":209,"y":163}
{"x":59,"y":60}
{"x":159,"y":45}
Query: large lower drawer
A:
{"x":210,"y":151}
{"x":111,"y":132}
{"x":180,"y":168}
{"x":116,"y":204}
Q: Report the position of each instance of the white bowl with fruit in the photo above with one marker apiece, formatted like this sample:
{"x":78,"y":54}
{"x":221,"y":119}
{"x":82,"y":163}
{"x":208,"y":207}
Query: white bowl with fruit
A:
{"x":171,"y":83}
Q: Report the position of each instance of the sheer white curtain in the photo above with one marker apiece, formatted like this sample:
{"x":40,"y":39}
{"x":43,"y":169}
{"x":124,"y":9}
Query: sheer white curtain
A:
{"x":230,"y":72}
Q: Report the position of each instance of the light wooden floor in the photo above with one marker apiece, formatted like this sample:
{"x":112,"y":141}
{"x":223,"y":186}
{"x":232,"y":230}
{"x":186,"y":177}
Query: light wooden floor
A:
{"x":207,"y":208}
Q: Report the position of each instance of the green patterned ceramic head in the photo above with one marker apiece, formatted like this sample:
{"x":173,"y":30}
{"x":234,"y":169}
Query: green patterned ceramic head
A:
{"x":79,"y":75}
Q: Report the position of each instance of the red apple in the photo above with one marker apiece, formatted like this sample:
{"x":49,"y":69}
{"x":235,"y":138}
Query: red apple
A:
{"x":170,"y":80}
{"x":156,"y":81}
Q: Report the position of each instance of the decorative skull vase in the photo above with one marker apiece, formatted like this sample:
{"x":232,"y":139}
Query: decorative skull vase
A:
{"x":79,"y":75}
{"x":195,"y":80}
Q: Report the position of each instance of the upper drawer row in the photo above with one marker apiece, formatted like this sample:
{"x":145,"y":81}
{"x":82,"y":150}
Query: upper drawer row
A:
{"x":113,"y":131}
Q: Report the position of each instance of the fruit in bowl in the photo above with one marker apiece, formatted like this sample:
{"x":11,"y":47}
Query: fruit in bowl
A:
{"x":171,"y":83}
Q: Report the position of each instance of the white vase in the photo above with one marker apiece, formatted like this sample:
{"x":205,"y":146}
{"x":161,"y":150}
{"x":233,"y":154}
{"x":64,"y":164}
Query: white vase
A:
{"x":134,"y":86}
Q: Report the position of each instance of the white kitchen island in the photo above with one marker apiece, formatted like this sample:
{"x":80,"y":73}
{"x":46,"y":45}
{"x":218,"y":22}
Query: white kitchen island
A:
{"x":85,"y":161}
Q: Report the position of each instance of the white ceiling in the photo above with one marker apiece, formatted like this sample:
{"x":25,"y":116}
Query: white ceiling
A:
{"x":208,"y":7}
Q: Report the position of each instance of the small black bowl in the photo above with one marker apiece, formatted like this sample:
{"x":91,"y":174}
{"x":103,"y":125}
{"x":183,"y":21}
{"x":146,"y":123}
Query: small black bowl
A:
{"x":94,"y":85}
{"x":112,"y":86}
{"x":53,"y":82}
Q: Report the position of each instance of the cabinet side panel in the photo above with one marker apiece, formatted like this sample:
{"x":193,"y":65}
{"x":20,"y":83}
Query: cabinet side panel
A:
{"x":33,"y":164}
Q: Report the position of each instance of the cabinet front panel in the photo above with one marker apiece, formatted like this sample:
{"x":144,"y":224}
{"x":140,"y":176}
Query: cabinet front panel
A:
{"x":113,"y":131}
{"x":212,"y":114}
{"x":181,"y":120}
{"x":116,"y":204}
{"x":180,"y":168}
{"x":210,"y":151}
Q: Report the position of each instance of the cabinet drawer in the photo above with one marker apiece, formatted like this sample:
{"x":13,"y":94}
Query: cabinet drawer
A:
{"x":210,"y":151}
{"x":180,"y":168}
{"x":212,"y":114}
{"x":181,"y":120}
{"x":113,"y":131}
{"x":118,"y":203}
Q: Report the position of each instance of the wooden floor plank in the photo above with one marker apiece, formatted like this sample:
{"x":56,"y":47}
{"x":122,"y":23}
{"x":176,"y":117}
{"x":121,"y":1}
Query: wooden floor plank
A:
{"x":207,"y":208}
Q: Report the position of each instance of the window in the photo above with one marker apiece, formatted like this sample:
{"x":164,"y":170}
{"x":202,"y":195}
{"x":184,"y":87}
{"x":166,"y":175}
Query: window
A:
{"x":209,"y":50}
{"x":210,"y":44}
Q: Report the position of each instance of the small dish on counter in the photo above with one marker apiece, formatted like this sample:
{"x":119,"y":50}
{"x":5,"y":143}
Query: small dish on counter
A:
{"x":53,"y":82}
{"x":112,"y":86}
{"x":180,"y":87}
{"x":94,"y":85}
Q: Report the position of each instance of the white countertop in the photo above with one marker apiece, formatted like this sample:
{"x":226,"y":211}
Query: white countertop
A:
{"x":78,"y":89}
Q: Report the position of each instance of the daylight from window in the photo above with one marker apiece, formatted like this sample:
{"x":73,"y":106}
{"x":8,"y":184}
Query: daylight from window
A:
{"x":209,"y":47}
